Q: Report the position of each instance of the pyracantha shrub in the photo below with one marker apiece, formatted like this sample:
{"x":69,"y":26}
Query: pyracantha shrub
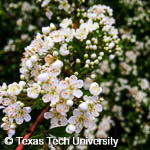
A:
{"x":54,"y":68}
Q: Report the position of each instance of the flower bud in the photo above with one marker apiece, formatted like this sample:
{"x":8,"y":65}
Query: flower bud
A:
{"x":4,"y":86}
{"x":88,"y":42}
{"x":19,"y":102}
{"x":86,"y":66}
{"x":87,"y":61}
{"x":96,"y":61}
{"x":33,"y":58}
{"x":85,"y":56}
{"x":55,"y":53}
{"x":76,"y":73}
{"x":22,"y":77}
{"x":78,"y":61}
{"x":93,"y":56}
{"x":83,"y":106}
{"x":52,"y":26}
{"x":69,"y":102}
{"x":70,"y":129}
{"x":22,"y":104}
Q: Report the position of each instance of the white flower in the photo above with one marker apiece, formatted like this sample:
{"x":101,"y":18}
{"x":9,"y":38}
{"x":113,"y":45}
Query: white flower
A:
{"x":49,"y":43}
{"x":68,"y":33}
{"x":23,"y":114}
{"x":50,"y":98}
{"x":64,"y":5}
{"x":144,"y":84}
{"x":8,"y":101}
{"x":57,"y":36}
{"x":26,"y":116}
{"x":81,"y":119}
{"x":81,"y":33}
{"x":65,"y":23}
{"x":43,"y":77}
{"x":93,"y":105}
{"x":70,"y":129}
{"x":6,"y":125}
{"x":63,"y":50}
{"x":89,"y":26}
{"x":57,"y":64}
{"x":52,"y":94}
{"x":33,"y":91}
{"x":56,"y":118}
{"x":14,"y":89}
{"x":95,"y":89}
{"x":19,"y":113}
{"x":46,"y":30}
{"x":70,"y":87}
{"x":62,"y":109}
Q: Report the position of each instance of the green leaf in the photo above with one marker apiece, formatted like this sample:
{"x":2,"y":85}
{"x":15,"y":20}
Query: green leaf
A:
{"x":59,"y":132}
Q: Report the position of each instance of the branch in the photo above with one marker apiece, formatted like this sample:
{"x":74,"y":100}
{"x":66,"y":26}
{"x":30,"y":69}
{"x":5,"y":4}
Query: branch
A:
{"x":33,"y":127}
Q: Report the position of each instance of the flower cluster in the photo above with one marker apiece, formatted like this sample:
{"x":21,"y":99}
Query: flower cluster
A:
{"x":69,"y":63}
{"x":95,"y":27}
{"x":62,"y":5}
{"x":51,"y":66}
{"x":15,"y":111}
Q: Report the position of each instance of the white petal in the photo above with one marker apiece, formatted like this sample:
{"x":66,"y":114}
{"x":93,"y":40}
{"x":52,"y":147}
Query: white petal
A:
{"x":43,"y":77}
{"x":72,"y":120}
{"x":95,"y":113}
{"x":54,"y":99}
{"x":73,"y":79}
{"x":27,"y":117}
{"x":77,"y":93}
{"x":79,"y":84}
{"x":60,"y":108}
{"x":19,"y":120}
{"x":48,"y":115}
{"x":54,"y":122}
{"x":46,"y":87}
{"x":11,"y":132}
{"x":63,"y":121}
{"x":79,"y":127}
{"x":46,"y":98}
{"x":76,"y":112}
{"x":27,"y":109}
{"x":99,"y":107}
{"x":63,"y":85}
